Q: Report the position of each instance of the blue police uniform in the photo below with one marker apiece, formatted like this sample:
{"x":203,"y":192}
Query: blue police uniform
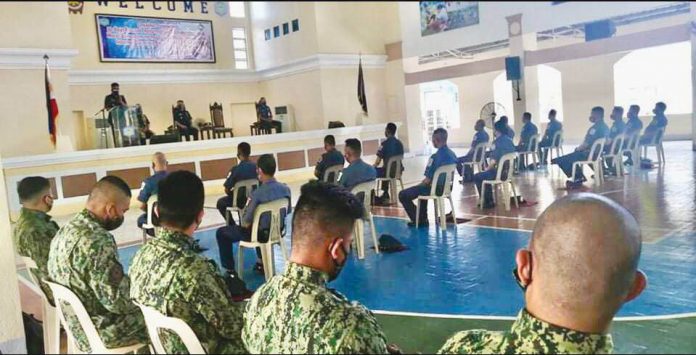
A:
{"x":244,"y":171}
{"x":617,"y":128}
{"x":443,"y":156}
{"x":501,"y":146}
{"x":510,"y":132}
{"x":149,"y":187}
{"x":547,"y":140}
{"x":659,"y":121}
{"x":357,"y":172}
{"x":183,"y":117}
{"x":389,"y":148}
{"x":633,"y":125}
{"x":597,"y":131}
{"x":265,"y":112}
{"x":328,"y":159}
{"x":528,"y":130}
{"x":479,"y":137}
{"x":226,"y":236}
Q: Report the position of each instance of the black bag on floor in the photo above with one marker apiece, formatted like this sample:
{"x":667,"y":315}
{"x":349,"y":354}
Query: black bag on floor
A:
{"x":33,"y":328}
{"x":389,"y":244}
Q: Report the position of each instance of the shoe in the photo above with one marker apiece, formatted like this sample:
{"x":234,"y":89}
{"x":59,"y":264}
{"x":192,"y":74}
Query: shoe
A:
{"x":259,"y":268}
{"x":198,"y":248}
{"x":420,"y":224}
{"x":237,"y":287}
{"x":570,"y":185}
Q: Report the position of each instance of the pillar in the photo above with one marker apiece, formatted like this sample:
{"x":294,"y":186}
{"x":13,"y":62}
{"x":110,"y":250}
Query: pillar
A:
{"x":693,"y":76}
{"x":528,"y":86}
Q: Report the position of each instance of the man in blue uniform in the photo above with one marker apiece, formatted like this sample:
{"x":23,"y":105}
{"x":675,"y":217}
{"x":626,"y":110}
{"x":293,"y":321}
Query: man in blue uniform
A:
{"x":357,"y":171}
{"x":598,"y":130}
{"x":509,"y":131}
{"x":529,"y":129}
{"x":443,"y":156}
{"x":547,"y":141}
{"x":245,"y":170}
{"x":659,"y":121}
{"x":633,"y":126}
{"x":149,"y":187}
{"x":502,"y":145}
{"x":618,"y":127}
{"x":269,"y":190}
{"x":332,"y":157}
{"x":479,"y":137}
{"x":184,"y":122}
{"x":389,"y":148}
{"x":265,"y":117}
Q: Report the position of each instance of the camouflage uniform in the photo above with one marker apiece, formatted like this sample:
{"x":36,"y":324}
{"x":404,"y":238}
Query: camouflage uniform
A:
{"x":33,"y":233}
{"x":528,"y":336}
{"x":169,"y":276}
{"x":84,"y":259}
{"x":296,"y":313}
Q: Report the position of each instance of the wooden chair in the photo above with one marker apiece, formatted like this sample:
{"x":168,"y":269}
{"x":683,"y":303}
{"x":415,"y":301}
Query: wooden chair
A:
{"x":216,"y":117}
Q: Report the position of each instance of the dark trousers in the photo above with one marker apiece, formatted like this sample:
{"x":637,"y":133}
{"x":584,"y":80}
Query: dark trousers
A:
{"x":188,"y":132}
{"x":222,"y":204}
{"x":480,"y":178}
{"x":466,"y":171}
{"x":382,"y":172}
{"x":141,"y":221}
{"x":543,"y":153}
{"x":566,"y":164}
{"x":267,"y":125}
{"x":407,"y":196}
{"x":228,"y":235}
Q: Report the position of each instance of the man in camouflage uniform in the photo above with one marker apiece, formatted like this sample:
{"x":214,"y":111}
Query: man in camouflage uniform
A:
{"x":295,"y":312}
{"x":34,"y":229}
{"x":576,"y":276}
{"x":84,"y":258}
{"x":169,"y":276}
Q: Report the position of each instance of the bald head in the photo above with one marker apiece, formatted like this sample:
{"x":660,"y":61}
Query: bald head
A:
{"x":159,"y":162}
{"x":585,"y":251}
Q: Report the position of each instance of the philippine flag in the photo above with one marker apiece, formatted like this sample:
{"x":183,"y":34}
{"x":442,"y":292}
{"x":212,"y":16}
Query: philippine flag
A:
{"x":51,"y":106}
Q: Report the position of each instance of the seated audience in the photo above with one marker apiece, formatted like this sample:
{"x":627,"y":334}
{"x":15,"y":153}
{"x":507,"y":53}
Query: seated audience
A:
{"x":443,"y":156}
{"x":481,"y":136}
{"x":575,"y":277}
{"x":143,"y":125}
{"x":34,"y":229}
{"x":84,"y":258}
{"x":264,"y":115}
{"x":617,"y":128}
{"x":659,"y":121}
{"x":389,"y":148}
{"x":150,"y":187}
{"x":296,"y":312}
{"x":633,"y":126}
{"x":244,"y":170}
{"x":510,"y":132}
{"x":357,"y":171}
{"x":269,"y":190}
{"x":168,"y":274}
{"x":331,"y":157}
{"x":529,"y":130}
{"x":598,"y":130}
{"x":502,"y":145}
{"x":547,"y":141}
{"x":184,"y":122}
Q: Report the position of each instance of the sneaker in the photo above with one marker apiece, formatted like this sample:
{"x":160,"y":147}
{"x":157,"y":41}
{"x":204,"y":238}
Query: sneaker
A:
{"x":570,"y":185}
{"x":198,"y":248}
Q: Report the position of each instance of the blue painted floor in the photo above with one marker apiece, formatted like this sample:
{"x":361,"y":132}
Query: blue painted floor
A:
{"x":467,"y":270}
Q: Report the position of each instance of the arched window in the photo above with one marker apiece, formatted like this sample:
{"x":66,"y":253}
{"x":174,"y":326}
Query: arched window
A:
{"x":649,"y":75}
{"x":550,"y":93}
{"x":439,"y":106}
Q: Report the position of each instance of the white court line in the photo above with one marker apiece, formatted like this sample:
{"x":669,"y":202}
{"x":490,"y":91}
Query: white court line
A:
{"x":466,"y":224}
{"x":464,"y":213}
{"x":475,"y":317}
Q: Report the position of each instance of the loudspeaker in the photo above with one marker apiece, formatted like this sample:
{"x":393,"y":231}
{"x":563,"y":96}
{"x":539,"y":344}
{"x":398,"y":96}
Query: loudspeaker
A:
{"x":512,"y":68}
{"x":599,"y":29}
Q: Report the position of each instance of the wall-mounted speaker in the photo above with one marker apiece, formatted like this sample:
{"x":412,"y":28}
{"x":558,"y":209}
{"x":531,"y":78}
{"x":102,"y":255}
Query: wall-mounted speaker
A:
{"x":599,"y":30}
{"x":512,"y":68}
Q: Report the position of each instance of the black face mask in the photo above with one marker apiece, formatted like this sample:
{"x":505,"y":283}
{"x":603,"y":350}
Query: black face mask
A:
{"x":339,"y":266}
{"x":112,"y":224}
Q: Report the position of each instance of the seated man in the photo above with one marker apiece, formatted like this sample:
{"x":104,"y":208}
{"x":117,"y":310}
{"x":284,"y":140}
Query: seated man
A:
{"x":575,"y":277}
{"x":149,"y":187}
{"x":529,"y":129}
{"x":547,"y":141}
{"x":659,"y":121}
{"x":633,"y":126}
{"x":143,"y":124}
{"x":510,"y":132}
{"x":617,"y":128}
{"x":265,"y":117}
{"x":84,"y":258}
{"x":598,"y":130}
{"x":168,"y":274}
{"x":331,"y":157}
{"x":269,"y":190}
{"x":245,"y":170}
{"x":481,"y":136}
{"x":184,"y":122}
{"x":296,"y":312}
{"x":357,"y":171}
{"x":502,"y":145}
{"x":443,"y":156}
{"x":389,"y":148}
{"x":34,"y":229}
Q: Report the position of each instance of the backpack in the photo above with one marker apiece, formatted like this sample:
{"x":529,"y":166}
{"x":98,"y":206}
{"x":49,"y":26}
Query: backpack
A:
{"x":33,"y":328}
{"x":389,"y":244}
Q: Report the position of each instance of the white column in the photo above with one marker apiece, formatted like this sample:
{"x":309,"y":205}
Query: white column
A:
{"x":528,"y":86}
{"x":693,"y":76}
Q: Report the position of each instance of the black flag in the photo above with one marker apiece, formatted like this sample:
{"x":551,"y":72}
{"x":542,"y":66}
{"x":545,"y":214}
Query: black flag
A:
{"x":361,"y":88}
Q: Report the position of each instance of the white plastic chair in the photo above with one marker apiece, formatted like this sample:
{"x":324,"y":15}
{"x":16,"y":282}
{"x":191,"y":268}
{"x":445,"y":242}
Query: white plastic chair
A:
{"x":632,"y":148}
{"x":366,"y":188}
{"x":594,"y":160}
{"x":149,"y":225}
{"x":531,"y":149}
{"x":249,"y":185}
{"x":439,"y":200}
{"x":51,"y":323}
{"x":615,"y":154}
{"x":657,"y":144}
{"x":556,"y":145}
{"x":502,"y":179}
{"x":61,"y":295}
{"x":156,"y":321}
{"x":336,"y":170}
{"x":478,"y":160}
{"x":274,"y":236}
{"x":392,"y":168}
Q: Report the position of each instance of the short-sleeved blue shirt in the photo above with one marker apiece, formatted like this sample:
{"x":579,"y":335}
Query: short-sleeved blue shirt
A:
{"x":443,"y":156}
{"x":357,"y":172}
{"x":510,"y":132}
{"x":329,"y":159}
{"x":264,"y":111}
{"x":244,"y":171}
{"x":634,"y":125}
{"x":270,"y":191}
{"x":656,"y":123}
{"x":501,"y":146}
{"x":528,"y":130}
{"x":597,"y":131}
{"x":618,"y":127}
{"x":150,"y":187}
{"x":390,"y":147}
{"x":551,"y":129}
